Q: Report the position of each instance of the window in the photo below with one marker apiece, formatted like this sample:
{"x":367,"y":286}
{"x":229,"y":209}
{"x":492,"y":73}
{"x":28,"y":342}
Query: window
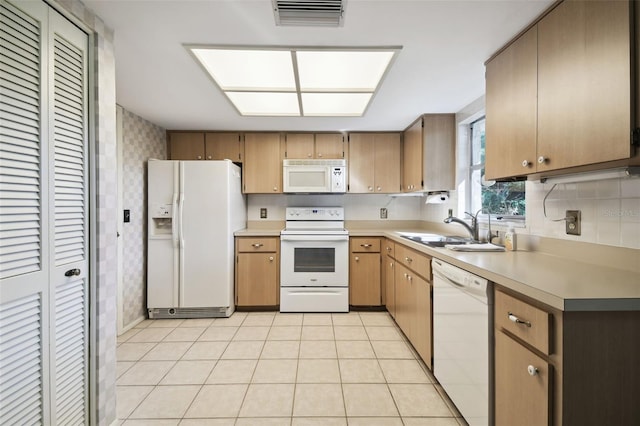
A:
{"x":500,"y":199}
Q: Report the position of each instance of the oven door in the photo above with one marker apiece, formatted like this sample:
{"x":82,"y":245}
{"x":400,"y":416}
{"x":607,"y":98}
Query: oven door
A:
{"x":314,"y":260}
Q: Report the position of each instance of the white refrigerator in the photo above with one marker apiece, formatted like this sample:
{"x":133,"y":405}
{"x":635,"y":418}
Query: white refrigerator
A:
{"x":194,"y":208}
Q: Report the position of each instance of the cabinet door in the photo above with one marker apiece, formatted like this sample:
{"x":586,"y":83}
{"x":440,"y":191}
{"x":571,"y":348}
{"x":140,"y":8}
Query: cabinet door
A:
{"x":361,"y":163}
{"x":511,"y":109}
{"x":404,"y":294}
{"x":186,"y":146}
{"x":364,"y":282}
{"x":389,"y":268}
{"x":299,"y":145}
{"x":412,"y":158}
{"x":584,"y":84}
{"x":222,"y":146}
{"x":262,"y":169}
{"x":257,"y":283}
{"x":329,"y":145}
{"x":421,"y":327}
{"x":439,"y":152}
{"x":387,"y":163}
{"x":522,"y":384}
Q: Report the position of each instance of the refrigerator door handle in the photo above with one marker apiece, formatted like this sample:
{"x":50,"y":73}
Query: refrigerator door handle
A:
{"x":181,"y":247}
{"x":174,"y":228}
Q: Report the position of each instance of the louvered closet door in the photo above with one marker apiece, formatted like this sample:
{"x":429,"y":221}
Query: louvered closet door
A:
{"x":69,"y":214}
{"x":43,"y":217}
{"x":24,"y":220}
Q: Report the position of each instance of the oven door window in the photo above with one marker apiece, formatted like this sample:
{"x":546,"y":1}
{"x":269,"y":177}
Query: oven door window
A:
{"x":314,"y":259}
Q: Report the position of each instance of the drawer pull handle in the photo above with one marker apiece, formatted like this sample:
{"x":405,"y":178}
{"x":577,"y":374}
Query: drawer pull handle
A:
{"x":517,"y":320}
{"x":388,"y":248}
{"x":533,"y":371}
{"x":365,"y":245}
{"x":408,"y":259}
{"x":257,"y":245}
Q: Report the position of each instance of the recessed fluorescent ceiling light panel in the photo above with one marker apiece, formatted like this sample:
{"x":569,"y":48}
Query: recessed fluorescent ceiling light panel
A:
{"x":297,"y":81}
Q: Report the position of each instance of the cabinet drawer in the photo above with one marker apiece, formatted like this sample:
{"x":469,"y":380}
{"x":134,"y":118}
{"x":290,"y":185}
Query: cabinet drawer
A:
{"x":527,"y":322}
{"x":416,"y":261}
{"x":389,"y":248}
{"x":365,"y":245}
{"x":258,"y":244}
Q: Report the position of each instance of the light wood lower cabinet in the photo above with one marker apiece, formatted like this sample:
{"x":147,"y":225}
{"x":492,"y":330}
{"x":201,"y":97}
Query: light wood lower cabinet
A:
{"x":413,"y":299}
{"x":257,"y":271}
{"x":388,"y":275}
{"x":563,"y":367}
{"x":364,"y":272}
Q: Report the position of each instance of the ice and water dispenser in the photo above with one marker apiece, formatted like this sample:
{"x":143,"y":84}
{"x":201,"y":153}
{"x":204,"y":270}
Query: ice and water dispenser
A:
{"x":161,"y":219}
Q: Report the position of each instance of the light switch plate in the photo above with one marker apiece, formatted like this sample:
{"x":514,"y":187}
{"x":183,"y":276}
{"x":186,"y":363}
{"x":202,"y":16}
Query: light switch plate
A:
{"x":572,"y":222}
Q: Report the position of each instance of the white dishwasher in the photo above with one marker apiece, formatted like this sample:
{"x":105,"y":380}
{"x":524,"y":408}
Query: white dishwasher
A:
{"x":463,"y":340}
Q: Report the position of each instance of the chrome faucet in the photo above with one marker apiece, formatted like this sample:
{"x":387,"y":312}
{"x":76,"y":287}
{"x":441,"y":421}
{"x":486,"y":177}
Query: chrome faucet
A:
{"x":473,"y":229}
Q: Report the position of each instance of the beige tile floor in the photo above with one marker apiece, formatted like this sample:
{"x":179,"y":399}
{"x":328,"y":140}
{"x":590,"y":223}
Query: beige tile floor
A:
{"x":268,"y":368}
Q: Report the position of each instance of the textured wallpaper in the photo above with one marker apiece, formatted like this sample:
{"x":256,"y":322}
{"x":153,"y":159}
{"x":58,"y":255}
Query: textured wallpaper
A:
{"x":141,"y":140}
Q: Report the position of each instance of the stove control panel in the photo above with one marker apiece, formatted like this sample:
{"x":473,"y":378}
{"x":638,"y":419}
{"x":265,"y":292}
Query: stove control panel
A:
{"x":314,"y":213}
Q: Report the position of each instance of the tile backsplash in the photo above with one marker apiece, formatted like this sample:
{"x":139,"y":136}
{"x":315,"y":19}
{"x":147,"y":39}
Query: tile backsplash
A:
{"x":610,"y":211}
{"x":357,"y":206}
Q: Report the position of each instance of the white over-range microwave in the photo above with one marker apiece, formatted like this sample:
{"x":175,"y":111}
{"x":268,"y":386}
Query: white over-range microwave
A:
{"x":315,"y":176}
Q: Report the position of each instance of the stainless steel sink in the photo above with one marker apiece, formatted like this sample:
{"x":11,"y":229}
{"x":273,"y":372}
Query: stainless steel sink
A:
{"x":435,"y":240}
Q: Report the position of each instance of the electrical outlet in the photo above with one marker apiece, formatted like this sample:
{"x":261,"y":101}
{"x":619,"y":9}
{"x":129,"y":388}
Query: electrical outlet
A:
{"x":450,"y":212}
{"x":383,"y":213}
{"x":572,"y":222}
{"x":263,"y":213}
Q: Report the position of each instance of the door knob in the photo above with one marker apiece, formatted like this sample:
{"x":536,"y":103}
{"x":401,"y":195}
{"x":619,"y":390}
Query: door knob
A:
{"x":72,"y":272}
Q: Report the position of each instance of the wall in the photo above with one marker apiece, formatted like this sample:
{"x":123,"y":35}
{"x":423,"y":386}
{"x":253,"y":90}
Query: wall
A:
{"x":357,"y":207}
{"x":610,"y":208}
{"x":103,"y":215}
{"x":141,"y":140}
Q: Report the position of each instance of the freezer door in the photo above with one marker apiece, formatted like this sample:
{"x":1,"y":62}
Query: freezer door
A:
{"x":162,"y":248}
{"x":206,"y":238}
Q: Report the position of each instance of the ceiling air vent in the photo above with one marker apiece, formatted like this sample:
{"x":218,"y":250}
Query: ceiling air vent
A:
{"x":322,"y":13}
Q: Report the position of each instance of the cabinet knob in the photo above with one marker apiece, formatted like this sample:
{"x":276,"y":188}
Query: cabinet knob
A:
{"x":406,"y":275}
{"x":270,"y":258}
{"x":370,"y":188}
{"x":209,"y":157}
{"x":356,"y":258}
{"x":542,"y":160}
{"x":409,"y":277}
{"x":526,"y":163}
{"x":257,"y":245}
{"x":72,"y":272}
{"x":320,"y":154}
{"x":379,"y":188}
{"x":390,"y":264}
{"x":309,"y":155}
{"x":199,"y":157}
{"x":517,"y":320}
{"x":533,"y":371}
{"x":275,"y":188}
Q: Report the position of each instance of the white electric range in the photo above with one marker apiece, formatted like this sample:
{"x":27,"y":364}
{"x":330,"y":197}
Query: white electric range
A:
{"x":314,"y":266}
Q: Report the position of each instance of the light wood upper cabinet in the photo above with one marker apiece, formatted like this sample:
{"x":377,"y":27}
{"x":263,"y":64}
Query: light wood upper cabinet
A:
{"x":511,"y":109}
{"x":429,"y":154}
{"x":559,"y":98}
{"x":186,"y":145}
{"x":374,"y":163}
{"x":329,"y":145}
{"x":584,"y":84}
{"x":262,"y":168}
{"x":314,"y":145}
{"x":221,"y":146}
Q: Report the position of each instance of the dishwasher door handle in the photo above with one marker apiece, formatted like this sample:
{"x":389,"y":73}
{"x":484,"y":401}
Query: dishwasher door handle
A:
{"x":450,"y":281}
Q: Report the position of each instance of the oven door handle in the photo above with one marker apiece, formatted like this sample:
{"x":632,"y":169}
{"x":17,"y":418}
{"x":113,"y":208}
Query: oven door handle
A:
{"x":314,"y":237}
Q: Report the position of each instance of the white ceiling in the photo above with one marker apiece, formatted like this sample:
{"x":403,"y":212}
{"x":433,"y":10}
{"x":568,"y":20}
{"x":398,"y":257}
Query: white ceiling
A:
{"x":439,"y":69}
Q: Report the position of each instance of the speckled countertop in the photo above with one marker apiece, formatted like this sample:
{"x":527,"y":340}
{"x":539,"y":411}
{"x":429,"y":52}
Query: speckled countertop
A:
{"x":563,"y":283}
